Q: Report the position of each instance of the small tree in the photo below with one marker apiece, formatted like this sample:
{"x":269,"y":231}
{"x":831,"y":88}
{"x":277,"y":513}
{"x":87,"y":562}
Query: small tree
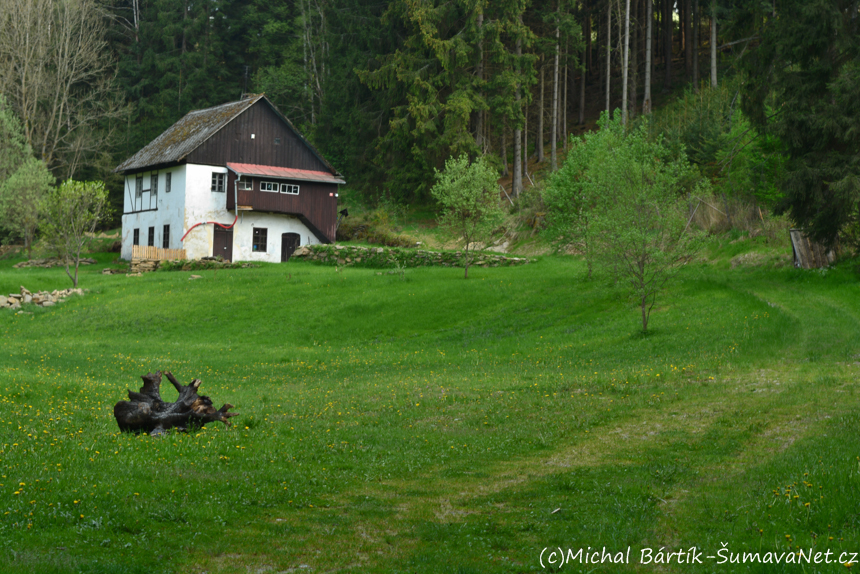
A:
{"x":71,"y":213}
{"x":627,"y":190}
{"x":469,"y":198}
{"x":14,"y":149}
{"x":22,"y":198}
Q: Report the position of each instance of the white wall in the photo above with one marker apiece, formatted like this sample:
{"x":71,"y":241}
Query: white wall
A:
{"x":201,"y":205}
{"x":191,"y":201}
{"x":275,"y":225}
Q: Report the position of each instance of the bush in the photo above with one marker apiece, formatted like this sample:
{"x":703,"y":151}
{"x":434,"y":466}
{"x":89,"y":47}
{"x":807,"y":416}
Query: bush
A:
{"x":376,"y":226}
{"x":618,"y":193}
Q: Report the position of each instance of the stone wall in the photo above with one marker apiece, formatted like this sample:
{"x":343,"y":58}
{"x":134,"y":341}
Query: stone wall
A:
{"x":385,"y":257}
{"x":42,"y":298}
{"x":139,"y":265}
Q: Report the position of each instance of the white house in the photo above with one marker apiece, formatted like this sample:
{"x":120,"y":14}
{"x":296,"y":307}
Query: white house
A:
{"x":236,"y":180}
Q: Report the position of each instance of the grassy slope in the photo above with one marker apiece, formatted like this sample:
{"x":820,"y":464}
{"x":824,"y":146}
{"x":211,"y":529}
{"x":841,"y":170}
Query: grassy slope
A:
{"x":427,"y":423}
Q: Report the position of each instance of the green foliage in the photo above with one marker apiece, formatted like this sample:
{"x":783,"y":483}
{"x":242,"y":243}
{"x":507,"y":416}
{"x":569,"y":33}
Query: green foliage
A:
{"x":375,"y":226}
{"x":466,"y":192}
{"x":14,"y":149}
{"x":22,"y":198}
{"x":435,"y":93}
{"x":751,"y":163}
{"x":71,"y":212}
{"x":618,"y":193}
{"x":184,"y":56}
{"x":806,"y":60}
{"x":709,"y":128}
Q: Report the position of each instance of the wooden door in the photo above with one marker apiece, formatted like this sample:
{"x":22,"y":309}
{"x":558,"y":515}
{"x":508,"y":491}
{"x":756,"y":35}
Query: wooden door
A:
{"x":289,"y":243}
{"x":222,"y":243}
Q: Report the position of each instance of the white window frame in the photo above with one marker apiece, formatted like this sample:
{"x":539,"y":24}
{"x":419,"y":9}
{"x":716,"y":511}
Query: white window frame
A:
{"x":219,"y":182}
{"x":138,"y":185}
{"x":245,"y":185}
{"x":270,"y":186}
{"x":153,"y":183}
{"x":290,"y":188}
{"x":167,"y":182}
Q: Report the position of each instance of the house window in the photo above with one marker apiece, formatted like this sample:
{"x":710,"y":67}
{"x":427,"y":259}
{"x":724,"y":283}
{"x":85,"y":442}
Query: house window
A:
{"x":218,"y":182}
{"x":269,"y":186}
{"x":277,"y":141}
{"x":260,"y":239}
{"x":289,"y":188}
{"x":138,"y":187}
{"x":136,"y":240}
{"x":153,"y":183}
{"x":165,"y":238}
{"x":246,"y":185}
{"x":167,"y":182}
{"x":152,"y":237}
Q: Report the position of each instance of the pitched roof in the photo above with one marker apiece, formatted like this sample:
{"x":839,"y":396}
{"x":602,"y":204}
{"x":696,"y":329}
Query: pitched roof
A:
{"x":283,"y":172}
{"x":186,"y":135}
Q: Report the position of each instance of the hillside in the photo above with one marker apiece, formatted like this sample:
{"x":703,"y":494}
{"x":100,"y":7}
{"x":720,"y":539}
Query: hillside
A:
{"x":424,"y":423}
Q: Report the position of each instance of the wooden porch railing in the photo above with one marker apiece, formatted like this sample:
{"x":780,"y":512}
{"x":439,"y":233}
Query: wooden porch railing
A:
{"x":146,"y":252}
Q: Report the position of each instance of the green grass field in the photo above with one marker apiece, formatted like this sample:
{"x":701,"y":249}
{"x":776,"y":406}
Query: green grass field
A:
{"x":427,"y":424}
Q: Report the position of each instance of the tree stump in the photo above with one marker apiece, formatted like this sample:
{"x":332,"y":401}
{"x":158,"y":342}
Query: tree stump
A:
{"x":147,"y":412}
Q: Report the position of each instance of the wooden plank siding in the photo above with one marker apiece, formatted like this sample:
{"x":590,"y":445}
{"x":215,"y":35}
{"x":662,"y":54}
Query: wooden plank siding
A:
{"x":315,"y":205}
{"x":147,"y":252}
{"x":233,"y":143}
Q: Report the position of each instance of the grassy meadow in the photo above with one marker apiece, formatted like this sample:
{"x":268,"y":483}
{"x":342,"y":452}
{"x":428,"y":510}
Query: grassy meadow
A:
{"x":424,"y":423}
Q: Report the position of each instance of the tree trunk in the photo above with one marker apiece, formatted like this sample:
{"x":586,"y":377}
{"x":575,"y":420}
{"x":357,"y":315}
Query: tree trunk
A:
{"x":145,"y":411}
{"x":517,"y":184}
{"x":696,"y":46}
{"x":667,"y":44}
{"x":634,"y":59}
{"x":646,"y":101}
{"x":504,"y":150}
{"x":566,"y":89}
{"x":689,"y":46}
{"x":713,"y":45}
{"x":554,"y":127}
{"x":625,"y":62}
{"x":608,"y":49}
{"x":582,"y":79}
{"x":526,"y":140}
{"x":539,"y":141}
{"x":588,"y":63}
{"x":479,"y":75}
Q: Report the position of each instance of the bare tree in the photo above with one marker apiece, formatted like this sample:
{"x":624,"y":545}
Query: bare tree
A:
{"x":57,"y":73}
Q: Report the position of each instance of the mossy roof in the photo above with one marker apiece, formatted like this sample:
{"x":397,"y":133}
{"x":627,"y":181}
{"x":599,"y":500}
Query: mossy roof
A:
{"x":183,"y":137}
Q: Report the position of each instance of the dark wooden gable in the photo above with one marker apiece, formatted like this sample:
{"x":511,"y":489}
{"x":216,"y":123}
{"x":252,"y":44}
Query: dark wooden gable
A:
{"x":233,"y":143}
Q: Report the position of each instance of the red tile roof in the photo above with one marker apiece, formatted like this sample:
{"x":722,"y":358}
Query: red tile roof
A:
{"x":283,"y":172}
